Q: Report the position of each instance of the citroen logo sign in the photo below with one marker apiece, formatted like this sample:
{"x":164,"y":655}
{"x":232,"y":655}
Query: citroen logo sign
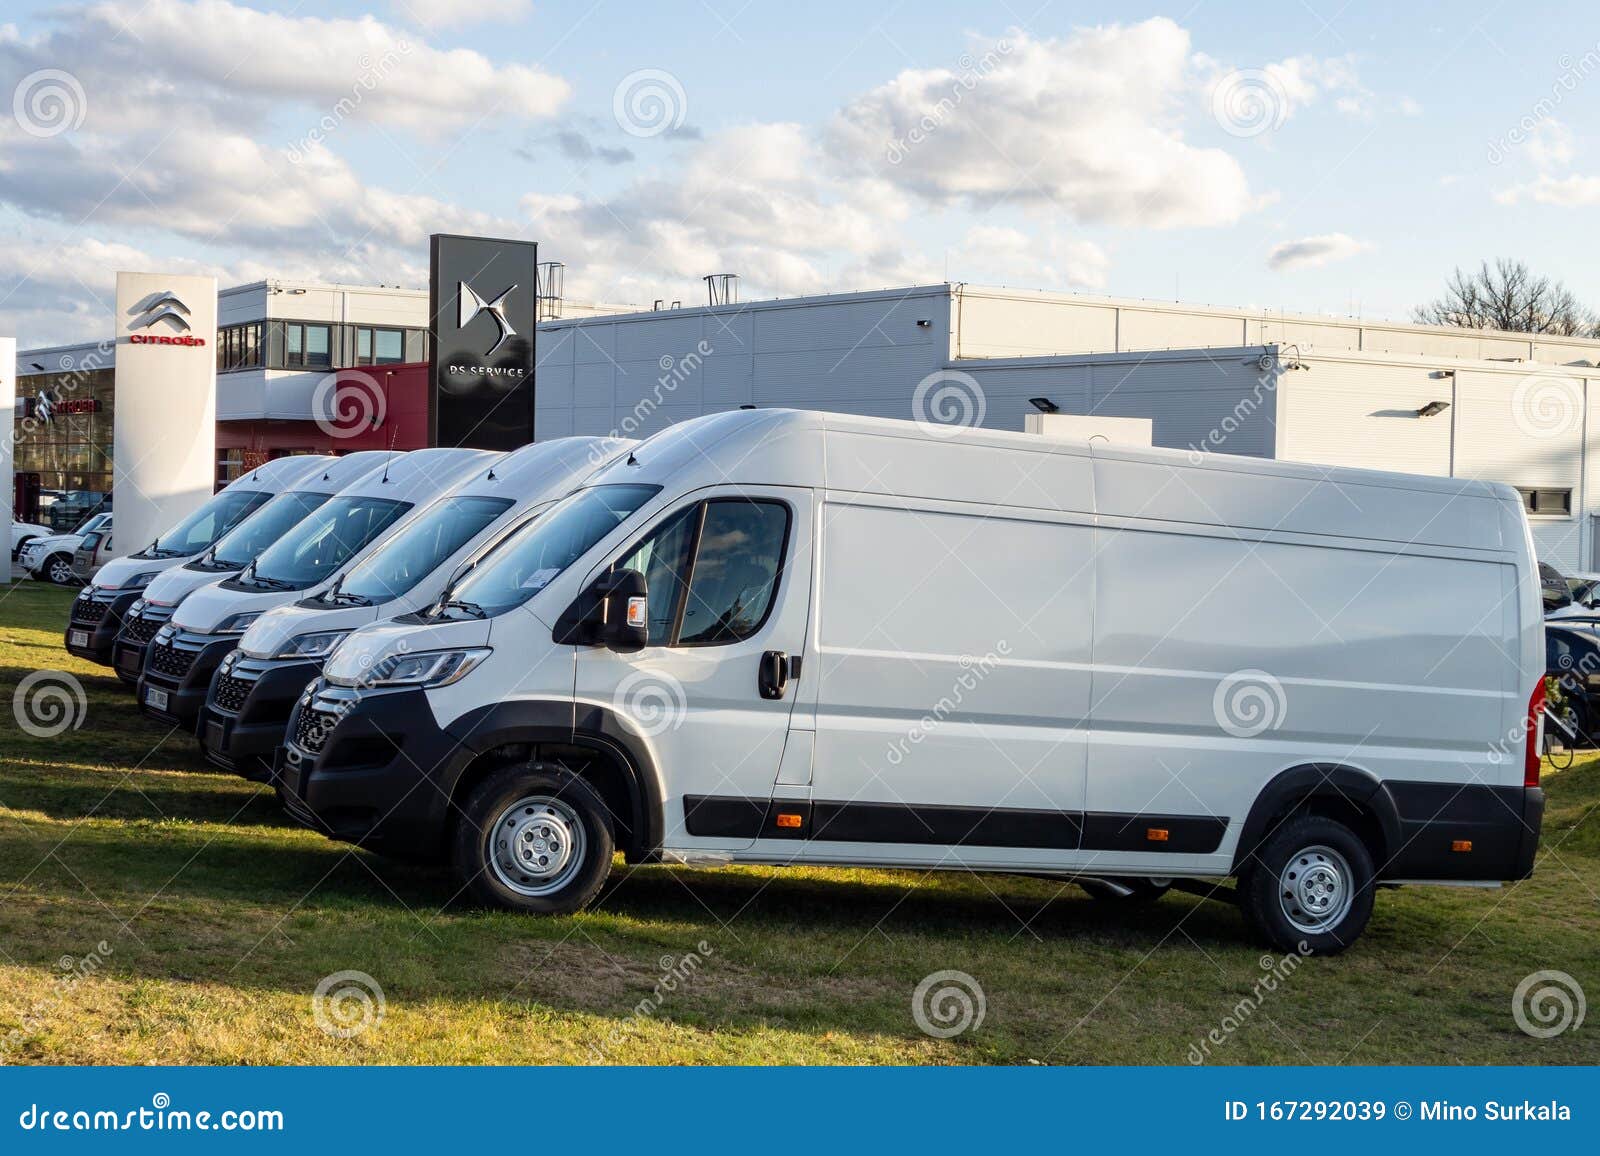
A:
{"x":469,"y":305}
{"x":168,"y":306}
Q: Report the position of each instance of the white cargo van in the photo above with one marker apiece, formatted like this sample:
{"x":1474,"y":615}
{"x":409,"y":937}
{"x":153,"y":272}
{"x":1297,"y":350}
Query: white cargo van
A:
{"x":232,"y":553}
{"x":96,"y":614}
{"x":206,"y":625}
{"x":783,"y":637}
{"x":254,"y":690}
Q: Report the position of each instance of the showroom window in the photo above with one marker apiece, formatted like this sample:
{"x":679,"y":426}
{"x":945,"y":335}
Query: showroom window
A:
{"x":239,"y":347}
{"x":307,"y":346}
{"x":380,"y":346}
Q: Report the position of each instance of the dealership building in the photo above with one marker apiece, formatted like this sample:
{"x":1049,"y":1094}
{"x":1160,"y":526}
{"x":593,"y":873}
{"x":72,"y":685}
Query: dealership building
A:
{"x":307,"y":367}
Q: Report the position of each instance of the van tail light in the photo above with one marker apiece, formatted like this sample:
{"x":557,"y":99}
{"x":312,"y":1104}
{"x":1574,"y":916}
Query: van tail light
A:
{"x":1535,"y":727}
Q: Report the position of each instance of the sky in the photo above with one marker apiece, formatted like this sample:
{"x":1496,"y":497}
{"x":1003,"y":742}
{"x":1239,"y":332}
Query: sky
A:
{"x":1316,"y":156}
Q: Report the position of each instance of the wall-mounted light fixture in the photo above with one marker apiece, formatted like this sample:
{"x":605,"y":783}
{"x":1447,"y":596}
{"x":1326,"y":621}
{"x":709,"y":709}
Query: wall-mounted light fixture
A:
{"x":1433,"y":409}
{"x":1442,"y":374}
{"x":1044,"y":405}
{"x":924,"y":323}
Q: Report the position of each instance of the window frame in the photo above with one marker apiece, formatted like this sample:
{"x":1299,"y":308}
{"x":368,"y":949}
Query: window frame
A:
{"x":303,"y":358}
{"x":1530,"y":501}
{"x":699,"y":510}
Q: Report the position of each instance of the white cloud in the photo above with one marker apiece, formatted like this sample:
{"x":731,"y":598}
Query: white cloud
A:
{"x":1089,"y":125}
{"x":453,"y":13}
{"x":1004,"y":255}
{"x":1311,"y":252}
{"x":1570,"y":192}
{"x":1551,"y":145}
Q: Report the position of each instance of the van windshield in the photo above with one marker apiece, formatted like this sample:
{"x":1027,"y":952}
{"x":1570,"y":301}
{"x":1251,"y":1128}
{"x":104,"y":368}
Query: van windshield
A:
{"x":406,"y":559}
{"x":317,"y":546}
{"x":261,"y":529}
{"x":531,"y":559}
{"x":203,"y":527}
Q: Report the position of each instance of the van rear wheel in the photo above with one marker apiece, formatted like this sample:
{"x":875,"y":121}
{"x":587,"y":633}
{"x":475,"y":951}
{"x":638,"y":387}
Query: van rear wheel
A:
{"x":534,"y":838}
{"x":1309,"y":887}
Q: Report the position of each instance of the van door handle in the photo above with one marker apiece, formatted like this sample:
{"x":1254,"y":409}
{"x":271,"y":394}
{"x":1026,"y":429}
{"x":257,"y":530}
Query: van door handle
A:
{"x":774,"y":674}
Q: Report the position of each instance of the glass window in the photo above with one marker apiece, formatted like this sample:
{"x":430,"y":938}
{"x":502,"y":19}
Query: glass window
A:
{"x":203,"y":527}
{"x":363,"y":347}
{"x":293,"y":343}
{"x":532,"y":558}
{"x":239,"y":546}
{"x":307,"y":346}
{"x":318,"y":545}
{"x":663,"y":559}
{"x":736,"y":570}
{"x":389,"y":346}
{"x":408,"y":558}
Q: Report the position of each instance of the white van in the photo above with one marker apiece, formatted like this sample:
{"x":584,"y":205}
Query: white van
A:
{"x":230,"y":554}
{"x":206,"y":625}
{"x":783,"y":637}
{"x":96,"y":614}
{"x":254,"y":690}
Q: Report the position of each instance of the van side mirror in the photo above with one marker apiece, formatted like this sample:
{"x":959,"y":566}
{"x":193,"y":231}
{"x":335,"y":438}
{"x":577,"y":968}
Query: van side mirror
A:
{"x":612,"y":612}
{"x":624,"y":601}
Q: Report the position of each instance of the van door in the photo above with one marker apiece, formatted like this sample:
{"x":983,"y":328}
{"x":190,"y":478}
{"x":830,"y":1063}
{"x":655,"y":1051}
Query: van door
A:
{"x":729,"y":580}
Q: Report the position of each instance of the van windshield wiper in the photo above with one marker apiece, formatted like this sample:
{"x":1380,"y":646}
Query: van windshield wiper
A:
{"x":471,"y":608}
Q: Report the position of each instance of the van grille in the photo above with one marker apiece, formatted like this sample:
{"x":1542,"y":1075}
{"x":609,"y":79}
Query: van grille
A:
{"x":228,"y":693}
{"x":88,"y":611}
{"x":170,"y":661}
{"x":312,"y":728}
{"x":140,"y":629}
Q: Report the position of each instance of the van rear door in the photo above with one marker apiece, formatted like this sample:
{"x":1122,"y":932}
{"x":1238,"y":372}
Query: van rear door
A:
{"x":729,"y":579}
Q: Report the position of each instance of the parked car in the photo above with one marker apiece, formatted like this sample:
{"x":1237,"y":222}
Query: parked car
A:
{"x":208,"y":624}
{"x":24,"y":532}
{"x":232,"y":553}
{"x":1554,"y":587}
{"x":791,"y":638}
{"x":96,"y":614}
{"x":1572,"y":658}
{"x":252,"y":693}
{"x":49,"y":559}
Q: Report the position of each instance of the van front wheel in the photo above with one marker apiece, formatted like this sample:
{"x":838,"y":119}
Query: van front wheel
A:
{"x":534,"y":838}
{"x":1309,"y":887}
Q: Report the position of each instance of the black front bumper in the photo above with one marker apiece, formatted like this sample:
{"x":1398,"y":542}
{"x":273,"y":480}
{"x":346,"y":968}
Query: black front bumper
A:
{"x":378,"y":774}
{"x":181,"y":670}
{"x":98,"y":618}
{"x":243,"y":740}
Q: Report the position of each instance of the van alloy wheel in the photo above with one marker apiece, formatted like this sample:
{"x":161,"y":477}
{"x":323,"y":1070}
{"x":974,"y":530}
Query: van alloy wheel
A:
{"x":1314,"y":889}
{"x":539,"y":845}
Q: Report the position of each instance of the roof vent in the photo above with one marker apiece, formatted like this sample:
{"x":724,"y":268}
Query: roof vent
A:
{"x":551,"y":279}
{"x":722,"y":288}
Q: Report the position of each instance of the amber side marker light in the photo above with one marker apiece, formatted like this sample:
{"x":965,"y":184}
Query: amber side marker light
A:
{"x":1156,"y":834}
{"x":785,"y":820}
{"x":1461,"y":845}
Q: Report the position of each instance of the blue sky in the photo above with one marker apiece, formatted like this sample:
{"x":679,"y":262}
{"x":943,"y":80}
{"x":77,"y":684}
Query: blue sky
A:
{"x":1301,"y":156}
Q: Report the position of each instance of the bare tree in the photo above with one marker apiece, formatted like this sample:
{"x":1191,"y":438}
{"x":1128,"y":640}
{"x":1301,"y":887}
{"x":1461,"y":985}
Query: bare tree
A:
{"x":1508,"y":296}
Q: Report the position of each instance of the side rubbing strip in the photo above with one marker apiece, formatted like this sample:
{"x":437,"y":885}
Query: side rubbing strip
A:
{"x":722,"y":817}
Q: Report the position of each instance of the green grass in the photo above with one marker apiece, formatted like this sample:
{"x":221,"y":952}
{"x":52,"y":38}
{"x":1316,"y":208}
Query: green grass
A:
{"x":221,"y":918}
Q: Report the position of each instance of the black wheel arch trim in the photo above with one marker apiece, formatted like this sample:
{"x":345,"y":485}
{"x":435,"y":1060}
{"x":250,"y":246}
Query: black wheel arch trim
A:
{"x":1298,"y":784}
{"x":502,"y":724}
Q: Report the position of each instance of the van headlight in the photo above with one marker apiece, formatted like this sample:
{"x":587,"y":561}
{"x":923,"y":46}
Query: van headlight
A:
{"x":430,"y":669}
{"x":237,"y":623}
{"x":311,"y":645}
{"x":138,"y":581}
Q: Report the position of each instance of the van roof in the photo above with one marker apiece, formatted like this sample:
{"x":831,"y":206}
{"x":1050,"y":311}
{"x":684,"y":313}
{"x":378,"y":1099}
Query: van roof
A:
{"x":337,"y":473}
{"x":560,"y":463}
{"x":419,"y":474}
{"x":280,"y":473}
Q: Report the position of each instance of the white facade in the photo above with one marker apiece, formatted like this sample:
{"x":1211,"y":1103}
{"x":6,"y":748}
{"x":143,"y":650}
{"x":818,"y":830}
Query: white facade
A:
{"x":1325,"y":390}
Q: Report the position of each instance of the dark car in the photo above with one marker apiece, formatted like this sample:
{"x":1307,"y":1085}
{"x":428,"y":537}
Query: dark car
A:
{"x":1557,"y":592}
{"x":1572,"y":658}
